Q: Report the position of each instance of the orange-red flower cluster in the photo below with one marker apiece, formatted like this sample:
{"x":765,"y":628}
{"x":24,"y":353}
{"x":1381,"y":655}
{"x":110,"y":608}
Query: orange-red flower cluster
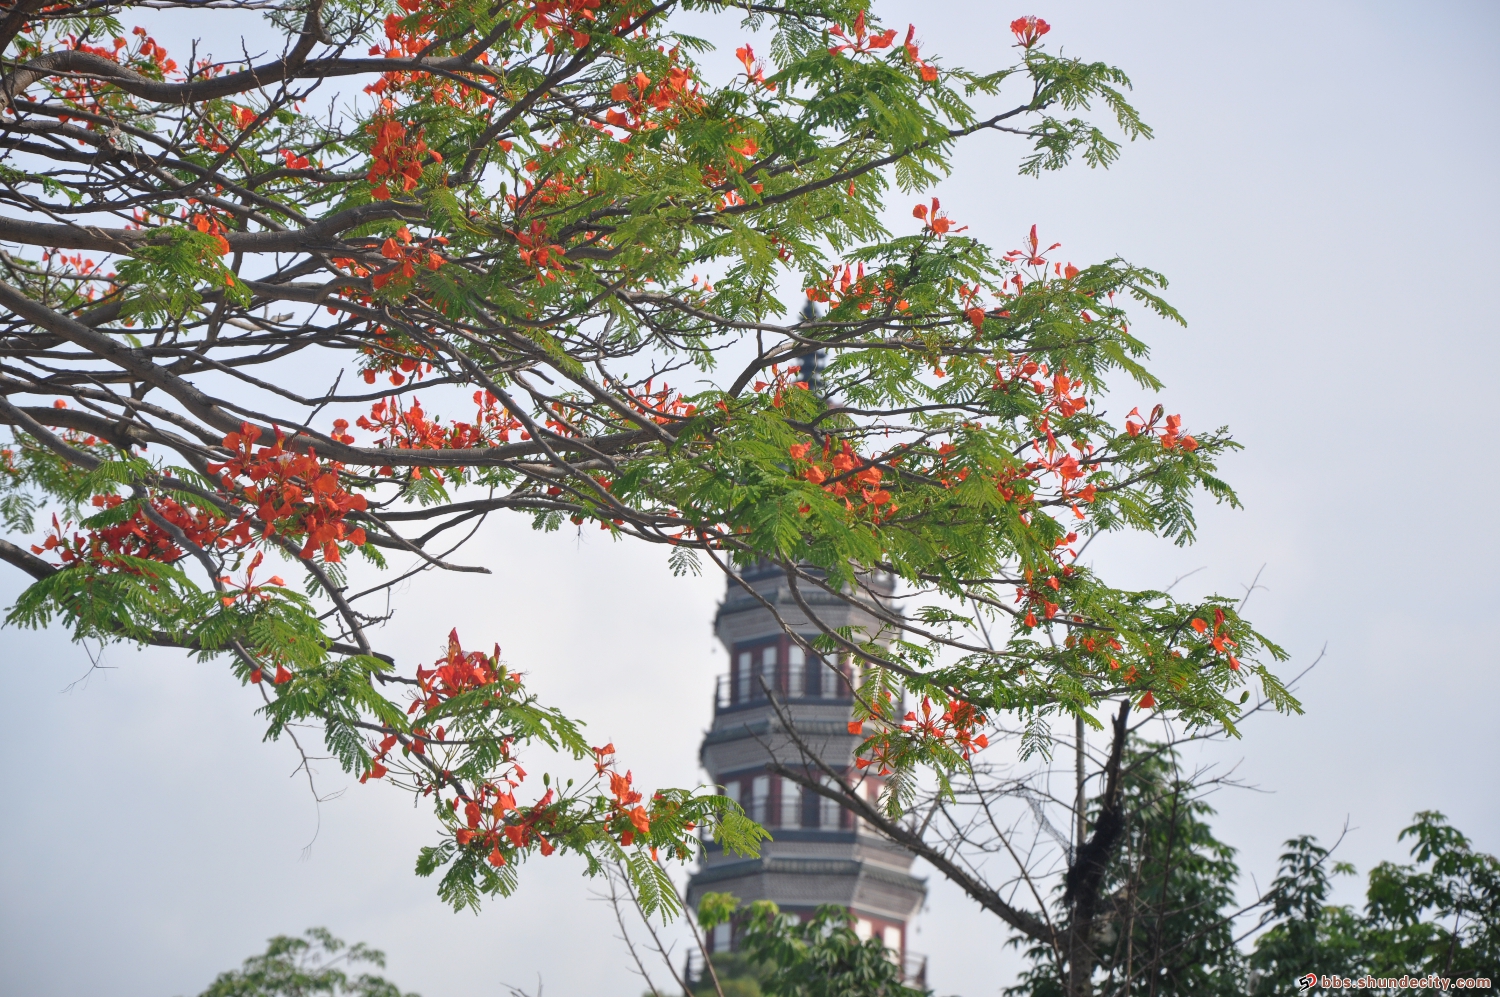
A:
{"x":147,"y":52}
{"x":626,"y":816}
{"x":492,"y":821}
{"x":849,"y":283}
{"x":560,"y":19}
{"x":957,"y":724}
{"x":248,"y":589}
{"x":675,"y":92}
{"x":928,"y":70}
{"x":845,"y":474}
{"x":1220,"y":639}
{"x":207,"y":221}
{"x":781,"y":382}
{"x":85,"y":267}
{"x":1101,"y":646}
{"x":663,"y":406}
{"x":755,"y":69}
{"x":145,"y":57}
{"x":296,"y":495}
{"x":396,"y":155}
{"x":934,"y":220}
{"x":141,"y":535}
{"x":460,"y":671}
{"x":1171,"y":434}
{"x":408,"y":37}
{"x":1028,"y":29}
{"x":957,"y":727}
{"x":860,"y":40}
{"x":401,"y":42}
{"x":1032,"y":594}
{"x":540,"y":253}
{"x":1034,"y":256}
{"x":398,"y":355}
{"x":412,"y":429}
{"x":406,"y":256}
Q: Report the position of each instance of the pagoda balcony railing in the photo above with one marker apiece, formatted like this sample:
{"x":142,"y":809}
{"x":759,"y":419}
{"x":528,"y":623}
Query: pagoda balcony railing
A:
{"x":727,"y":698}
{"x":913,"y":969}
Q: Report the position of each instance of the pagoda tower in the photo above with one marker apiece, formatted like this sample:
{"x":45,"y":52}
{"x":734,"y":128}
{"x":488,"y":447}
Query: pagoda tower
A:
{"x":820,"y":853}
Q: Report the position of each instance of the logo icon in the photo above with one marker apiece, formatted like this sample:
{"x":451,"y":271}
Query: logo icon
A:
{"x":1306,"y":982}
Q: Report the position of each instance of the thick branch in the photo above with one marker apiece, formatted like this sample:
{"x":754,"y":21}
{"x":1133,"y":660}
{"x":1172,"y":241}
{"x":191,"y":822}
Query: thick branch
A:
{"x":1087,"y":870}
{"x":123,"y":240}
{"x":25,"y":560}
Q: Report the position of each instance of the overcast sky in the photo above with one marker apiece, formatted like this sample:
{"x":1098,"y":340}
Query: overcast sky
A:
{"x":1322,"y":193}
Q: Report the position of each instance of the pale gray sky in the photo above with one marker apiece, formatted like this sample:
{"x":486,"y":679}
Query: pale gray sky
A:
{"x":1317,"y":194}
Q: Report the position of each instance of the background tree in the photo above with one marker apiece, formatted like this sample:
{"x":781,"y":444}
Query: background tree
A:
{"x":1437,"y":917}
{"x":1309,"y":934}
{"x":1161,"y":924}
{"x":537,"y":212}
{"x":1171,"y":923}
{"x":315,"y":964}
{"x":1440,"y":915}
{"x":781,"y":955}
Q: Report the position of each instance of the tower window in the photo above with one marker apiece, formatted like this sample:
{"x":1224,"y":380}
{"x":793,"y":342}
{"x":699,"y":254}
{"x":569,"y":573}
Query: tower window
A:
{"x":756,"y":668}
{"x":742,"y":680}
{"x":768,"y":668}
{"x":791,"y":804}
{"x":828,"y":810}
{"x":760,"y":798}
{"x":796,"y":672}
{"x":811,"y":804}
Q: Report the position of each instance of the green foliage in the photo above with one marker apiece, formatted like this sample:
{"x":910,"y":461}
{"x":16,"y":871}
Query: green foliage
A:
{"x":1168,"y":892}
{"x":1309,"y":934}
{"x":1440,"y":915}
{"x":820,"y":956}
{"x":317,"y":963}
{"x":738,"y":976}
{"x":1071,"y":84}
{"x":1437,"y":917}
{"x":163,"y":279}
{"x":1168,"y":924}
{"x":549,"y":203}
{"x":715,"y":909}
{"x":143,"y":599}
{"x":779,"y":955}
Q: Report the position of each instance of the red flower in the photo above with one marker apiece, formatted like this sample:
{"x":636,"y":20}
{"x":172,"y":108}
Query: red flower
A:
{"x":861,"y":40}
{"x":929,"y":72}
{"x":1029,"y":29}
